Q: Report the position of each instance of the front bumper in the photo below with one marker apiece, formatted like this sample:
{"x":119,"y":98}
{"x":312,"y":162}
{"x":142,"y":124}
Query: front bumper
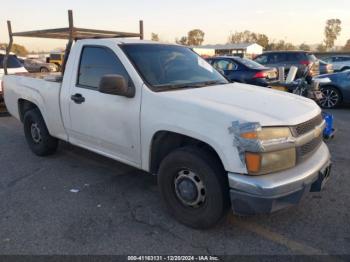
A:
{"x":272,"y":192}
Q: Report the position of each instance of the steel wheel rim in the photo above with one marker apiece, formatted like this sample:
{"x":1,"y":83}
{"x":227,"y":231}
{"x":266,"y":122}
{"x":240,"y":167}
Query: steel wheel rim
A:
{"x":189,"y":188}
{"x":35,"y":132}
{"x":330,"y":98}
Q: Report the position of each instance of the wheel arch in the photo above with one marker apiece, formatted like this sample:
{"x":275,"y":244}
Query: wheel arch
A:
{"x":335,"y":87}
{"x":24,"y":106}
{"x":163,"y":142}
{"x":345,"y":68}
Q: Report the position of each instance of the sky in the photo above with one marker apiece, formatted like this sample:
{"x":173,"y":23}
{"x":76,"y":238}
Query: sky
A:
{"x":296,"y":21}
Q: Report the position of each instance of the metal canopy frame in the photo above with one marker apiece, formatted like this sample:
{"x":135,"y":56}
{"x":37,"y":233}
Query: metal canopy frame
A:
{"x":69,"y":33}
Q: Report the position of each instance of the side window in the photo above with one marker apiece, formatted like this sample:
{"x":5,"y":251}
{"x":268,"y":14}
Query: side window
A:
{"x":295,"y":57}
{"x":95,"y":62}
{"x":210,"y":61}
{"x":261,"y":59}
{"x":292,"y":57}
{"x":343,"y":59}
{"x":224,"y":65}
{"x":274,"y":58}
{"x":281,"y":57}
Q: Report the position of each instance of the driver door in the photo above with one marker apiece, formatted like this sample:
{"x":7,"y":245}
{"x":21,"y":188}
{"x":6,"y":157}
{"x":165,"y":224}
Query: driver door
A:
{"x":104,"y":123}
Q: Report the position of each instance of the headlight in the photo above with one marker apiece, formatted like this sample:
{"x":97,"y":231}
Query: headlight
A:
{"x":259,"y":163}
{"x":263,"y":163}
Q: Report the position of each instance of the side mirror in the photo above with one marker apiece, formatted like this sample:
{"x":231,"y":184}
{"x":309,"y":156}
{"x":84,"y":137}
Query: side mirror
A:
{"x":116,"y":85}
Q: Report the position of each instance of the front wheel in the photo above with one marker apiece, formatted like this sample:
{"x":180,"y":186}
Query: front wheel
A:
{"x":194,"y":187}
{"x":331,"y":97}
{"x":37,"y":135}
{"x":44,"y":70}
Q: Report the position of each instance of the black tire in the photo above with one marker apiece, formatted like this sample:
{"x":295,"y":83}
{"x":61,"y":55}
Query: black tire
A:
{"x":37,"y":135}
{"x":332,"y":97}
{"x":210,"y":173}
{"x":44,"y":70}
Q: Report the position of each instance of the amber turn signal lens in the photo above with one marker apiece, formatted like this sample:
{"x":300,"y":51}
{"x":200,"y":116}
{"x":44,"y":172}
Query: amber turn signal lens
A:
{"x":253,"y":162}
{"x":249,"y":135}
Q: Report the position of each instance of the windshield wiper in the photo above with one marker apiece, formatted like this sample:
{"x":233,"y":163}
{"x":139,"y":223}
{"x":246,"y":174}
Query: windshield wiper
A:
{"x":192,"y":85}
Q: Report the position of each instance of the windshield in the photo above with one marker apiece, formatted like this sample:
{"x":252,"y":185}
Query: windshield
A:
{"x":312,"y":57}
{"x":12,"y":62}
{"x":166,"y":67}
{"x":250,"y":63}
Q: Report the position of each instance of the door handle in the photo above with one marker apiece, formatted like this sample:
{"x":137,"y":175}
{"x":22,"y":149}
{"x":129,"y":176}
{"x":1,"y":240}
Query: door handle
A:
{"x":78,"y":98}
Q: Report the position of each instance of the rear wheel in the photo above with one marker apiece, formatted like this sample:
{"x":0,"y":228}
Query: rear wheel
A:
{"x":331,"y":97}
{"x":194,"y":187}
{"x":37,"y":135}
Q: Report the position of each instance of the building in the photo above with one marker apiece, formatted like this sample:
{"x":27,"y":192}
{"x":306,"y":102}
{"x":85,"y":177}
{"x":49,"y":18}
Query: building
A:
{"x":248,"y":50}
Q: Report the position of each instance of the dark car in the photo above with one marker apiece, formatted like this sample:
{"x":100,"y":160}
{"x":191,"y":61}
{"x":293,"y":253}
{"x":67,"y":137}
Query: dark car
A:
{"x":301,"y":59}
{"x":325,"y":68}
{"x":243,"y":70}
{"x":337,"y":91}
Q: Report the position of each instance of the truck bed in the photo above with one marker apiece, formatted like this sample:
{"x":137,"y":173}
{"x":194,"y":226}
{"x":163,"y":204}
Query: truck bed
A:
{"x":48,"y":76}
{"x":41,"y":89}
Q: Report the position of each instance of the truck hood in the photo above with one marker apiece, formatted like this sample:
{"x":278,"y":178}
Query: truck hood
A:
{"x":249,"y":103}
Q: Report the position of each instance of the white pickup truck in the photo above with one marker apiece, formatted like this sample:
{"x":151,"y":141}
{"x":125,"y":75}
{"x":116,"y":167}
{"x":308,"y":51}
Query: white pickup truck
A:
{"x":163,"y":109}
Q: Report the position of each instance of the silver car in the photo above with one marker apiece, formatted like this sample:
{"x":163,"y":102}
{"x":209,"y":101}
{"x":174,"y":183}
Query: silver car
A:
{"x":339,"y":62}
{"x":35,"y":65}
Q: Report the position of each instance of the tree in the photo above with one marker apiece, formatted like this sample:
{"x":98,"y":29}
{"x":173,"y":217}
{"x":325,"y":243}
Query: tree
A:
{"x":262,"y":40}
{"x":346,"y":48}
{"x":304,"y":47}
{"x":249,"y":37}
{"x":195,"y":37}
{"x":154,"y":37}
{"x":281,"y":45}
{"x":19,"y":50}
{"x":182,"y":41}
{"x":331,"y":32}
{"x":321,"y":48}
{"x":289,"y":46}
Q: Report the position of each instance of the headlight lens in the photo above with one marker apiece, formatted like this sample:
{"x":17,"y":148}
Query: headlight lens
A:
{"x":263,"y":163}
{"x":268,"y":162}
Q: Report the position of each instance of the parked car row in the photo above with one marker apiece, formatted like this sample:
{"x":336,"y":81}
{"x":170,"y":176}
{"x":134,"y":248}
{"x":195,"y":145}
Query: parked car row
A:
{"x":262,"y":71}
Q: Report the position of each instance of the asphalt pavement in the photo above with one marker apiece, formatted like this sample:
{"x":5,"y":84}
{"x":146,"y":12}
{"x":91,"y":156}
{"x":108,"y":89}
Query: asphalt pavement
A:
{"x":77,"y":202}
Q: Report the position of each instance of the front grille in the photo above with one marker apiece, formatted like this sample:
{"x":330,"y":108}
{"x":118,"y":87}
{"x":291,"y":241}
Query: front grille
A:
{"x":307,"y":126}
{"x":307,"y":149}
{"x":310,"y":147}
